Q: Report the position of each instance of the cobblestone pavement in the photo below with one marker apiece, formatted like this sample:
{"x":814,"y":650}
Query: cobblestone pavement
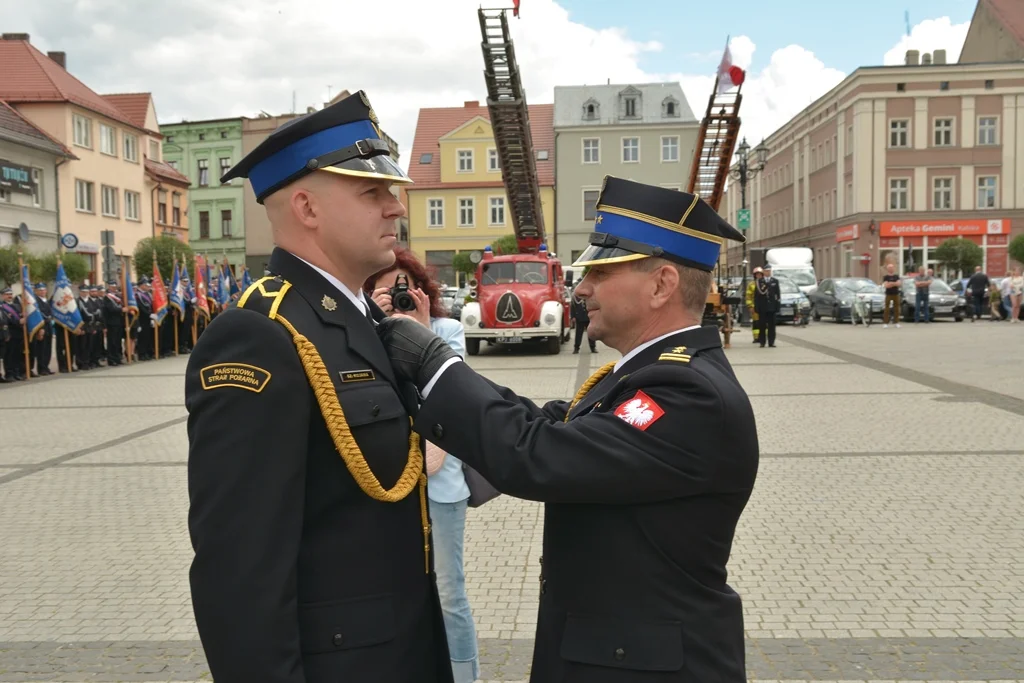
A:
{"x":884,"y":540}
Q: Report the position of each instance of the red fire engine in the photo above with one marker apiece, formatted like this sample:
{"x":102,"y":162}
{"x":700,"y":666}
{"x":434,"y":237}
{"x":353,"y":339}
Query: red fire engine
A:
{"x":517,"y":298}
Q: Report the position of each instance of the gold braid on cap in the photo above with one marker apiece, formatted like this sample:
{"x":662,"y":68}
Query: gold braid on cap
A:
{"x":334,"y":417}
{"x":588,"y":385}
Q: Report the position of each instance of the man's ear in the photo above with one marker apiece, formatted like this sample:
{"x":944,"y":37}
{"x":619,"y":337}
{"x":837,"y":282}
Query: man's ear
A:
{"x":304,"y":206}
{"x":666,"y":283}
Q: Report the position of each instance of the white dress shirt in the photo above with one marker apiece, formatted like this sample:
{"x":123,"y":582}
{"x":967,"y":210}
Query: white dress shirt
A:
{"x":634,"y":352}
{"x":358,"y":301}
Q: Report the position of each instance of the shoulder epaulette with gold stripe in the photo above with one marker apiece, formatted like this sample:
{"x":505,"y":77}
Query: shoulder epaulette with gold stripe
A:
{"x":264,"y":295}
{"x":675,"y":354}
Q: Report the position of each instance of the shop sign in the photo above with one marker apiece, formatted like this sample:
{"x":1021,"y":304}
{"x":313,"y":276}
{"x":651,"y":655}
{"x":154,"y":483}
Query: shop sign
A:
{"x":16,"y":178}
{"x":847,"y":233}
{"x":949,"y":228}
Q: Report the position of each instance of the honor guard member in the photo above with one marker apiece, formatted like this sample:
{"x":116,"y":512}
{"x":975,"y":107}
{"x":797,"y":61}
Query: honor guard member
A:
{"x":767,"y":302}
{"x":308,"y":508}
{"x":42,"y":345}
{"x":645,"y":473}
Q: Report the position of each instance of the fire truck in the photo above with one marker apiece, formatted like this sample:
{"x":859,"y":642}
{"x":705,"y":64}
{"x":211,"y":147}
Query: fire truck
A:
{"x":516,"y":298}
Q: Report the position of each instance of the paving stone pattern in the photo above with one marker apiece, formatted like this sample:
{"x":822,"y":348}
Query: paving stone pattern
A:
{"x":884,"y":540}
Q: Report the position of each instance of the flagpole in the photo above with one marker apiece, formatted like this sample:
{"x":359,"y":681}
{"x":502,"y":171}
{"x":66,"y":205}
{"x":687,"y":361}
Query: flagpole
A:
{"x":24,"y":318}
{"x":153,"y":322}
{"x":67,"y":348}
{"x":124,"y":304}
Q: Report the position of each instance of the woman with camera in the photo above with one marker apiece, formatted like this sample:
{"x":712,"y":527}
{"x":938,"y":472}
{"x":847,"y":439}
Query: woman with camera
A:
{"x":405,"y":287}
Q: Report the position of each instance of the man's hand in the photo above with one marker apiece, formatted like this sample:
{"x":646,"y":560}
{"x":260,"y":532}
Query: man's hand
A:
{"x":416,"y":353}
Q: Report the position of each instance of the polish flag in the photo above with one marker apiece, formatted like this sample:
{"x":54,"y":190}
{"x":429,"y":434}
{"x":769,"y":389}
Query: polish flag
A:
{"x":729,"y":75}
{"x":515,"y":8}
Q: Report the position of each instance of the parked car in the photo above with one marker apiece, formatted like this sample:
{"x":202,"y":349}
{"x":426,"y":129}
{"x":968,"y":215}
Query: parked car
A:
{"x":834,"y":297}
{"x":943,"y":302}
{"x":793,"y":300}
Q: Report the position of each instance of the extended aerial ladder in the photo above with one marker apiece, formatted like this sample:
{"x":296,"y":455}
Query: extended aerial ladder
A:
{"x":716,"y":141}
{"x":510,"y":120}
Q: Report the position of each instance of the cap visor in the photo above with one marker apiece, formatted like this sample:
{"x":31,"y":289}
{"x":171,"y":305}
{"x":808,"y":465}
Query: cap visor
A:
{"x":596,"y":255}
{"x":381,"y":167}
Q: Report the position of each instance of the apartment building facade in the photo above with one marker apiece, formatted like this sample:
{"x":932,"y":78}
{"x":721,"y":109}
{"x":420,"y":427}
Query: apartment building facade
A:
{"x":457,"y":201}
{"x":645,"y":132}
{"x":203,"y":151}
{"x":892,"y":162}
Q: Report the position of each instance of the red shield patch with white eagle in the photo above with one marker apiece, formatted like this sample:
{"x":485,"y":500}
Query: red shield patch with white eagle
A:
{"x":640,"y":411}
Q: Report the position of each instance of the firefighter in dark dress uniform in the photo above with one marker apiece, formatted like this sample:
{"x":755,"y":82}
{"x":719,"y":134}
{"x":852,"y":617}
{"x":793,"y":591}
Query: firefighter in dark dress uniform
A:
{"x":645,"y":473}
{"x":308,"y":508}
{"x":42,"y":348}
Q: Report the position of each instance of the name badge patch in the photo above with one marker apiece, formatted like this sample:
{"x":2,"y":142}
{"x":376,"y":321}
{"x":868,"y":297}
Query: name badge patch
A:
{"x":238,"y":375}
{"x":358,"y":376}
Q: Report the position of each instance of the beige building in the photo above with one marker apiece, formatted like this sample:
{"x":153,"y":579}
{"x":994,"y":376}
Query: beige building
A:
{"x":105,"y":188}
{"x":645,"y":132}
{"x":893,"y":161}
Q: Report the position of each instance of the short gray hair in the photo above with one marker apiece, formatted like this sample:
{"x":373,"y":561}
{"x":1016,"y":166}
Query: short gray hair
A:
{"x":694,"y":285}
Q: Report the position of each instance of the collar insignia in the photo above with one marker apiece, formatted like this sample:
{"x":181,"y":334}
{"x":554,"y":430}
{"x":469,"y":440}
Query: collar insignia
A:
{"x":328,"y":303}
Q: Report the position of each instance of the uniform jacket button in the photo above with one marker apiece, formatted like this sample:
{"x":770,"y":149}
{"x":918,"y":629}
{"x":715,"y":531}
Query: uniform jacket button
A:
{"x":338,"y":639}
{"x":620,"y":654}
{"x":438,"y":431}
{"x":375,"y":411}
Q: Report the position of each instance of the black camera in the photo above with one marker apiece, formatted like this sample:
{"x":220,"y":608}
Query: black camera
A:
{"x":401,"y":299}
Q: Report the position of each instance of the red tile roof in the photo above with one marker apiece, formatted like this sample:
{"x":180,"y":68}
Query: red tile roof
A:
{"x":1011,"y":14}
{"x":30,"y":76}
{"x":14,"y":126}
{"x":435,"y":123}
{"x":162,"y":172}
{"x":134,"y":105}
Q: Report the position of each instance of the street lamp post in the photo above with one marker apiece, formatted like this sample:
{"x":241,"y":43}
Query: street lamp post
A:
{"x":743,"y":172}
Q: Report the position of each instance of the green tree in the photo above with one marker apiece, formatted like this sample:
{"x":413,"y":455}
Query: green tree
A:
{"x":959,"y":254}
{"x":167,"y":249}
{"x":8,"y":265}
{"x":76,"y":267}
{"x":505,"y":245}
{"x":1017,"y":249}
{"x":462,"y":264}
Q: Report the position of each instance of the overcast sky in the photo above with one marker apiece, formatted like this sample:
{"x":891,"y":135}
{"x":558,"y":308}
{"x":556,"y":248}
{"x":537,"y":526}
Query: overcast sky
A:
{"x":222,"y":58}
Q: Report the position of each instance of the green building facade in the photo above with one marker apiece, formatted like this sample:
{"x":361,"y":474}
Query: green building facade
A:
{"x":204,"y":151}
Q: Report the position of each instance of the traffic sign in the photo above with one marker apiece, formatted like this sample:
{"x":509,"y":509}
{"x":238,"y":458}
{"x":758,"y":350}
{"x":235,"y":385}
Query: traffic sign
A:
{"x":69,"y":240}
{"x":743,"y":219}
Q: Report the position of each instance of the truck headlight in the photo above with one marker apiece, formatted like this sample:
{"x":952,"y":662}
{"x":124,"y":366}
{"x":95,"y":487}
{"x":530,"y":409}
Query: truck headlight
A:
{"x":549,"y":319}
{"x":470,"y":320}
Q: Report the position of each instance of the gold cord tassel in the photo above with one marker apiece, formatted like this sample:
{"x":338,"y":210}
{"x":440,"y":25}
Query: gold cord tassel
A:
{"x":588,"y":385}
{"x":426,"y":521}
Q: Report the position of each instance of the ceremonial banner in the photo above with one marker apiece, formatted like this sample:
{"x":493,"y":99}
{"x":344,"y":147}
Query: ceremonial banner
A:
{"x":30,"y":314}
{"x":65,"y":306}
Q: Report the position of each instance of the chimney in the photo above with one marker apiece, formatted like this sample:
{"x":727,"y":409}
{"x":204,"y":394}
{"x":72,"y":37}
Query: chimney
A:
{"x":471,"y":104}
{"x":913,"y":58}
{"x":59,"y":57}
{"x":14,"y":36}
{"x":939,"y":57}
{"x":926,"y":58}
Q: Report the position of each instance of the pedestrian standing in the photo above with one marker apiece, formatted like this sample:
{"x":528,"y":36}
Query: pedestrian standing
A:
{"x":767,"y":302}
{"x":893,"y":284}
{"x":978,"y":286}
{"x":578,"y":310}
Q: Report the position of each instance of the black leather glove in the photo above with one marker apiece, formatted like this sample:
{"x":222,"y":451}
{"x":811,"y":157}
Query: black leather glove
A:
{"x":416,"y":353}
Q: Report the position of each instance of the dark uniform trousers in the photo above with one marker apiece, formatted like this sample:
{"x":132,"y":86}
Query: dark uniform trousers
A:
{"x":42,"y":349}
{"x":113,"y":320}
{"x":300,"y":576}
{"x":643,"y":488}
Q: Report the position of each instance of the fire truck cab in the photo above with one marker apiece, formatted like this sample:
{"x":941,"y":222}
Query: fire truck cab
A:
{"x":517,"y":299}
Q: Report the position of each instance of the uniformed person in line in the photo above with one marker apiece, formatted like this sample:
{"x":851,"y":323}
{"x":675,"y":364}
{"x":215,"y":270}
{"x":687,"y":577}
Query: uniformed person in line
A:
{"x":42,"y":345}
{"x":308,"y":511}
{"x":144,"y":300}
{"x":98,"y":347}
{"x":755,"y":324}
{"x":645,"y":473}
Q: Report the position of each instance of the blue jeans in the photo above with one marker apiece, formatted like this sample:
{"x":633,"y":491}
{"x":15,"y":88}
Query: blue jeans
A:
{"x":448,"y":521}
{"x":921,"y":307}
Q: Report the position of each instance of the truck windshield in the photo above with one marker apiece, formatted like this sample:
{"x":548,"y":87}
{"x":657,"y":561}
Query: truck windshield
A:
{"x":802,"y":276}
{"x":523,"y":272}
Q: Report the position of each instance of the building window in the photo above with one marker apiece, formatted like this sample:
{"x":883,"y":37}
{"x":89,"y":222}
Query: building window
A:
{"x":989,"y":84}
{"x":987,"y":192}
{"x":497,"y":211}
{"x":670,"y":148}
{"x":590,"y":204}
{"x":591,"y":150}
{"x":173,"y":164}
{"x":849,"y":140}
{"x":630,"y":107}
{"x":176,"y":209}
{"x":943,"y":132}
{"x":426,"y":158}
{"x":83,"y":196}
{"x":223,"y":135}
{"x":5,"y":196}
{"x":225,"y":166}
{"x":37,"y":187}
{"x":202,"y":136}
{"x":630,"y":150}
{"x":898,"y":130}
{"x":204,"y":172}
{"x":108,"y":140}
{"x":467,"y":208}
{"x":161,"y":207}
{"x":492,"y":160}
{"x":898,"y":191}
{"x":436,"y":207}
{"x":465,"y":161}
{"x":109,"y":199}
{"x":901,"y":87}
{"x":942,"y":195}
{"x":943,"y":85}
{"x":154,"y":150}
{"x":131,"y":205}
{"x":83,"y":131}
{"x":131,"y":147}
{"x":987,"y":130}
{"x":849,"y":199}
{"x":439,"y":264}
{"x":204,"y":225}
{"x":225,"y":223}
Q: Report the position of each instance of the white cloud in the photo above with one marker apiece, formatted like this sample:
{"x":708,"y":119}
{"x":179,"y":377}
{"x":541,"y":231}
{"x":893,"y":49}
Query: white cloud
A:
{"x":928,"y":36}
{"x":205,"y":59}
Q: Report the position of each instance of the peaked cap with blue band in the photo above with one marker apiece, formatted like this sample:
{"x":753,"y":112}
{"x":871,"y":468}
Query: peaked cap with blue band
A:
{"x":343,"y":138}
{"x":636,"y":221}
